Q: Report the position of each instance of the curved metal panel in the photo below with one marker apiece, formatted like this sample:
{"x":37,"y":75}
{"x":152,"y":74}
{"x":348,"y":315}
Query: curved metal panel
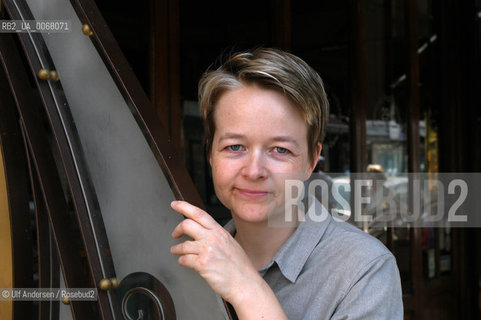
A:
{"x":137,"y":101}
{"x":48,"y":267}
{"x":47,"y":172}
{"x":133,"y":192}
{"x":82,"y":195}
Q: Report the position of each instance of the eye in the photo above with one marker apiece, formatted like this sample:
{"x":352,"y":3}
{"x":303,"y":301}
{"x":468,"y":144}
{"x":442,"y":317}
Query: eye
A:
{"x":281,"y":150}
{"x":235,"y":147}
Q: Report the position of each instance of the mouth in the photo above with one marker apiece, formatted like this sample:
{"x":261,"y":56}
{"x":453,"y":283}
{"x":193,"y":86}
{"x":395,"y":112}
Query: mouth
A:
{"x":252,"y":194}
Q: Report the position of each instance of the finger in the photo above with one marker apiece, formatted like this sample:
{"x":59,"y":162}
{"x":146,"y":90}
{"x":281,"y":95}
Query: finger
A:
{"x":186,"y":247}
{"x":190,"y":228}
{"x":194,"y":213}
{"x":189,"y":261}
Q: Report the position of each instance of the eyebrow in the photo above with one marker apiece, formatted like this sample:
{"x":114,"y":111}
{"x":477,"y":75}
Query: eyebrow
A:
{"x":232,"y":135}
{"x":286,"y":139}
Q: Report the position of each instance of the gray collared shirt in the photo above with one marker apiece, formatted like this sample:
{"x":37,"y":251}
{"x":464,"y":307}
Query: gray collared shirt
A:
{"x":332,"y":270}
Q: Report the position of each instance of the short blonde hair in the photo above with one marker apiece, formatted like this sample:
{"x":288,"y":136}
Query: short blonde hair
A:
{"x":269,"y":69}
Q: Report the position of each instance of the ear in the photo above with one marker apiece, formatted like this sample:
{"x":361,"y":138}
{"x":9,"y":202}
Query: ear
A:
{"x":313,"y":164}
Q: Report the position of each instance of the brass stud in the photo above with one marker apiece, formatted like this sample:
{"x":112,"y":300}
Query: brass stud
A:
{"x":44,"y":74}
{"x":65,"y":300}
{"x":86,"y":30}
{"x":105,"y":284}
{"x":115,"y":283}
{"x":54,"y":75}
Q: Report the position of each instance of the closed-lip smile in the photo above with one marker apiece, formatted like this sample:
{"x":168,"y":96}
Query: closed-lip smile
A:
{"x":250,"y":193}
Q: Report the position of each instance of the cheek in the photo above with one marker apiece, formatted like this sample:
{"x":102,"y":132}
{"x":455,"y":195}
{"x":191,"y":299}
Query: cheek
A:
{"x":221,"y":172}
{"x":217,"y":176}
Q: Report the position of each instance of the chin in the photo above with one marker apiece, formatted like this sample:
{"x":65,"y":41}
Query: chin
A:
{"x":251,"y":213}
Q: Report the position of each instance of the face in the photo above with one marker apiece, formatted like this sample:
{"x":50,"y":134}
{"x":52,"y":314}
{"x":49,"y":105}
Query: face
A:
{"x":260,"y":140}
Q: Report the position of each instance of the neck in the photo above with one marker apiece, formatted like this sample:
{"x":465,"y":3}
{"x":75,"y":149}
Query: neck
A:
{"x":261,"y":242}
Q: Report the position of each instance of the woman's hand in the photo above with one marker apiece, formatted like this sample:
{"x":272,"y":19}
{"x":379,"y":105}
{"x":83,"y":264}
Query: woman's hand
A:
{"x":213,"y":253}
{"x":222,"y":262}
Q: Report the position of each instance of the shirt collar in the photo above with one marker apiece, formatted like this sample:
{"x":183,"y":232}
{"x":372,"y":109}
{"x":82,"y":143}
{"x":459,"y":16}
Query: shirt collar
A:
{"x":293,"y":254}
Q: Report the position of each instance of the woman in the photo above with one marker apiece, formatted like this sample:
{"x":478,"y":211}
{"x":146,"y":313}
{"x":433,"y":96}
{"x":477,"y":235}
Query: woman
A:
{"x":265,"y":114}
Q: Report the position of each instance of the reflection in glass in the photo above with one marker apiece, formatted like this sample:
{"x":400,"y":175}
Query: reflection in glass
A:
{"x":386,"y":122}
{"x":437,"y":254}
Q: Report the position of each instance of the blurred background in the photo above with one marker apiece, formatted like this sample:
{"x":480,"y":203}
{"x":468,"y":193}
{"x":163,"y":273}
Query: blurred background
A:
{"x":403,"y":79}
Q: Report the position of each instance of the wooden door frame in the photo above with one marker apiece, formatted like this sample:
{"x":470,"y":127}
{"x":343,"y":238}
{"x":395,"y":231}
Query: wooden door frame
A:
{"x":165,"y":68}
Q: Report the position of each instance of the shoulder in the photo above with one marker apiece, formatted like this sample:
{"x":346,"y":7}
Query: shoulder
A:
{"x":370,"y":284}
{"x":349,"y":240}
{"x":339,"y":271}
{"x":339,"y":246}
{"x":348,"y":254}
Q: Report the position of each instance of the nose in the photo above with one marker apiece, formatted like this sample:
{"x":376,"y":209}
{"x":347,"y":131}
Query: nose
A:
{"x":255,"y":168}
